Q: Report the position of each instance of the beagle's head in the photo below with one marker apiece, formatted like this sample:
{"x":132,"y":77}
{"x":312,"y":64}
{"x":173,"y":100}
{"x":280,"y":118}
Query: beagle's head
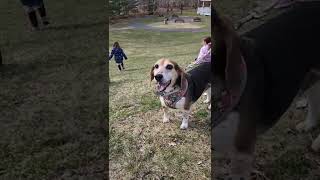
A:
{"x":167,"y":73}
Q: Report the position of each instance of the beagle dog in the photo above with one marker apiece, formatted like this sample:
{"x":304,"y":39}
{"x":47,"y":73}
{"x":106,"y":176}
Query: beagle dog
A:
{"x":178,"y":89}
{"x":258,"y":74}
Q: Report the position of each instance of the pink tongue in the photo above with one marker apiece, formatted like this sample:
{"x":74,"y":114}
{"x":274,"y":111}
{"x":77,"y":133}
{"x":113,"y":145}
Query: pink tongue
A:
{"x":160,"y":87}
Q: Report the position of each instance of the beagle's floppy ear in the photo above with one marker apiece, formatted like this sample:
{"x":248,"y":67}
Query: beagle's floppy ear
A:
{"x":151,"y":73}
{"x":227,"y":53}
{"x":181,"y":74}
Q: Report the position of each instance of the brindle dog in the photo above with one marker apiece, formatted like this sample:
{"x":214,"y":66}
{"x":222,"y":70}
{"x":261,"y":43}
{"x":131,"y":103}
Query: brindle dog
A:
{"x":278,"y":58}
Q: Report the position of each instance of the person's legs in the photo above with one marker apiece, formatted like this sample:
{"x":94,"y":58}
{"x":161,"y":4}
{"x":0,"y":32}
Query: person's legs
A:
{"x":43,"y":14}
{"x":119,"y":67}
{"x":31,"y":13}
{"x":122,"y":65}
{"x":28,"y":6}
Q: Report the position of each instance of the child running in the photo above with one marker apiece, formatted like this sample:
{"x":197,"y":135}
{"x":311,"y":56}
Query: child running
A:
{"x":118,"y":53}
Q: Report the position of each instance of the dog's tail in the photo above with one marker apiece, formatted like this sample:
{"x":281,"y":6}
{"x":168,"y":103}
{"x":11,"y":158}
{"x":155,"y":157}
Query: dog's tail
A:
{"x":220,"y":23}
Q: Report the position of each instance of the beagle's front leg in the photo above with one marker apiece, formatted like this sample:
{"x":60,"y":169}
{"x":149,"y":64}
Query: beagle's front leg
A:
{"x":185,"y":119}
{"x":165,"y":115}
{"x":208,"y":94}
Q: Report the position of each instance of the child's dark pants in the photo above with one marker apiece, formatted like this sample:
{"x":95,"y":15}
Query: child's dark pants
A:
{"x":120,"y":66}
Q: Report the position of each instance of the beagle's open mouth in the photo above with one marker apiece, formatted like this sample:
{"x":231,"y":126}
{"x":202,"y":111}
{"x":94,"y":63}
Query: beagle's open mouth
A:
{"x":163,"y":86}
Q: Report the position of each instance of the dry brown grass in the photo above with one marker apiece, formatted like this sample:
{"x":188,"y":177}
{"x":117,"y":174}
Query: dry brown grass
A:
{"x":53,"y":93}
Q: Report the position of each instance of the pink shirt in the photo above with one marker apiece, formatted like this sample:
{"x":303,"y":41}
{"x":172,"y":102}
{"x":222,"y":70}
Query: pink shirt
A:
{"x":204,"y":55}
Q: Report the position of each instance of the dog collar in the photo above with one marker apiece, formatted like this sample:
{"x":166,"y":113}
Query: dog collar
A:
{"x":171,"y":98}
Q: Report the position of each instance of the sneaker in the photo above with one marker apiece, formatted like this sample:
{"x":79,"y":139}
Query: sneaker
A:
{"x":34,"y":29}
{"x":45,"y":23}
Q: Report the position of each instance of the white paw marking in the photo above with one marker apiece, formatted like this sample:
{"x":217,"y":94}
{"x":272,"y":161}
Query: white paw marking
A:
{"x":184,"y":126}
{"x":165,"y":119}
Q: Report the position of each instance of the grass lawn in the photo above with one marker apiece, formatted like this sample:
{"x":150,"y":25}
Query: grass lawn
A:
{"x":205,"y":20}
{"x":141,"y":146}
{"x":53,"y":94}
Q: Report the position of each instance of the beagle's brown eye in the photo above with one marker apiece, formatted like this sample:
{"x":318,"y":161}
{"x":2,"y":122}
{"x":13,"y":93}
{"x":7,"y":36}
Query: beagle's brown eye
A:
{"x":156,"y":66}
{"x":169,"y":67}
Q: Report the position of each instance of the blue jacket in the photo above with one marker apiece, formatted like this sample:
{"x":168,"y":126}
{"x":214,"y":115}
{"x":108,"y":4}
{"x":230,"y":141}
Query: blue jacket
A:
{"x":31,"y":3}
{"x":118,"y":55}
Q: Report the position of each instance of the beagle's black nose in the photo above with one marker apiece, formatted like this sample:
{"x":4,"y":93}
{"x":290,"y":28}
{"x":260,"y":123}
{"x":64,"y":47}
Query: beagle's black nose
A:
{"x":158,"y":77}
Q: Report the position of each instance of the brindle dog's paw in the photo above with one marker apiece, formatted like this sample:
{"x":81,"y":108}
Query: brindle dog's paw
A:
{"x":206,"y":101}
{"x":303,"y":127}
{"x":316,"y":144}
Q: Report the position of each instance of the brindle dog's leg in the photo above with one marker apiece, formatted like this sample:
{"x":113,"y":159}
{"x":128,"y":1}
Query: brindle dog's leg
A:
{"x":245,"y":137}
{"x":313,"y":116}
{"x":165,"y":115}
{"x":242,"y":157}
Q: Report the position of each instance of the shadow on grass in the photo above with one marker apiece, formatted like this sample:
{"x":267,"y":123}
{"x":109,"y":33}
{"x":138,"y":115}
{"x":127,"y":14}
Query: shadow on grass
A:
{"x":290,"y":165}
{"x":7,"y":71}
{"x":133,"y":69}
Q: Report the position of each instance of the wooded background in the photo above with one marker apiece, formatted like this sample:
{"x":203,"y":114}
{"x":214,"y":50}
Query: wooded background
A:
{"x":128,"y":7}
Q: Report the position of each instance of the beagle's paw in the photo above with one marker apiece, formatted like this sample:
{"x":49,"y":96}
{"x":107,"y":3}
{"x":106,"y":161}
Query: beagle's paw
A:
{"x":165,"y":119}
{"x":184,"y":126}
